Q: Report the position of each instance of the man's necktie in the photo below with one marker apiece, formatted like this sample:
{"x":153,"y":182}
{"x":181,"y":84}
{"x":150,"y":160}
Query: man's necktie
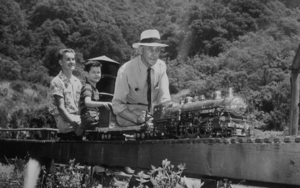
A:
{"x":149,"y":88}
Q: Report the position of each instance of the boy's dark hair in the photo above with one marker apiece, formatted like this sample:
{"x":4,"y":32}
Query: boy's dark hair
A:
{"x":61,"y":52}
{"x":88,"y":65}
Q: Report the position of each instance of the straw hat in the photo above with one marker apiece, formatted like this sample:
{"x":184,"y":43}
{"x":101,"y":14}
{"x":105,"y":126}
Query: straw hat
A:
{"x":149,"y":38}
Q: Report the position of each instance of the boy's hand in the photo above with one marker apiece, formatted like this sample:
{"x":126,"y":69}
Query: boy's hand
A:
{"x":107,"y":105}
{"x":77,"y":128}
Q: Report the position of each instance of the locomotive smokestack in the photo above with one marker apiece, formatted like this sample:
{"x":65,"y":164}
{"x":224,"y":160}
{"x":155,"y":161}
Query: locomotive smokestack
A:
{"x":230,"y":92}
{"x":202,"y":98}
{"x":217,"y":95}
{"x":188,"y":100}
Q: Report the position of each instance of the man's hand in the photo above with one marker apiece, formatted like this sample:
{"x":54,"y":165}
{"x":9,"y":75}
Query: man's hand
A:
{"x":147,"y":123}
{"x":143,"y":118}
{"x":77,"y":128}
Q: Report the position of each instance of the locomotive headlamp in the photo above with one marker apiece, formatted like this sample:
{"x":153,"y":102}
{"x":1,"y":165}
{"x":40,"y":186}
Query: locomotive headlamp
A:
{"x":235,"y":105}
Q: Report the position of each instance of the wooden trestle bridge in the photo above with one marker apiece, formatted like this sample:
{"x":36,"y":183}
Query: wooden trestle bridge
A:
{"x":275,"y":160}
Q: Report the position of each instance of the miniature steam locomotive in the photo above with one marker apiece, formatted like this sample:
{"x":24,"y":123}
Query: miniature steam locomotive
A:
{"x":218,"y":117}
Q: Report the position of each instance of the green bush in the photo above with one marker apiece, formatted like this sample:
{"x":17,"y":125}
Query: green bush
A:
{"x":3,"y":117}
{"x":73,"y":175}
{"x":69,"y":176}
{"x":12,"y":173}
{"x":18,"y":85}
{"x":166,"y":176}
{"x":39,"y":117}
{"x":3,"y":92}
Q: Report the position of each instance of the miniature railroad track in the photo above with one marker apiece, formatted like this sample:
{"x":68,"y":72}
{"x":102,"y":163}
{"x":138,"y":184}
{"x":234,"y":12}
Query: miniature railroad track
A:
{"x":273,"y":160}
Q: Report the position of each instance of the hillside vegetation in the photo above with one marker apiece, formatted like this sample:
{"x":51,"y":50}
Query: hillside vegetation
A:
{"x":213,"y":45}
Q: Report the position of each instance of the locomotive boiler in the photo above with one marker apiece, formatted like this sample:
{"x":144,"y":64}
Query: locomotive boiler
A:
{"x":218,"y":117}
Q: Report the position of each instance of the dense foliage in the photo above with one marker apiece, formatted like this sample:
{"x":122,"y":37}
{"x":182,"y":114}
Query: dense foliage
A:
{"x":213,"y":45}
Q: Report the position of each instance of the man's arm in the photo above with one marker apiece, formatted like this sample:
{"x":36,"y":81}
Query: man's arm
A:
{"x":128,"y":115}
{"x":119,"y":100}
{"x":164,"y":92}
{"x":121,"y":92}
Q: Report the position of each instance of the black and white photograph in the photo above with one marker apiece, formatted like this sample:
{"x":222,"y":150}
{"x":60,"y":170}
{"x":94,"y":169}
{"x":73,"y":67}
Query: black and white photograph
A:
{"x":149,"y":93}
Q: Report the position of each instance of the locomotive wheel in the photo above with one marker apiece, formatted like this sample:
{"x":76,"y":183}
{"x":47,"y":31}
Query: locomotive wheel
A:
{"x":193,"y":134}
{"x":181,"y":136}
{"x":204,"y":135}
{"x":229,"y":133}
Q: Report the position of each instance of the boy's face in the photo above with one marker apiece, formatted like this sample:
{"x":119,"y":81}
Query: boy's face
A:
{"x":68,"y":62}
{"x":94,"y":75}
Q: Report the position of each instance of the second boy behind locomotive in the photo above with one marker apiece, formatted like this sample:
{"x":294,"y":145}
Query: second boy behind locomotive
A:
{"x":89,"y":97}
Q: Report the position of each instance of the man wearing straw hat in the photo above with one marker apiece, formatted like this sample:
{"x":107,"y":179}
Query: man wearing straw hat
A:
{"x":141,"y":82}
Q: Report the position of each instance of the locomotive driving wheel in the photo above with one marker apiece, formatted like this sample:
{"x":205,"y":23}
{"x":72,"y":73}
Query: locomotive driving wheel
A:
{"x":193,"y":134}
{"x":191,"y":131}
{"x":206,"y":129}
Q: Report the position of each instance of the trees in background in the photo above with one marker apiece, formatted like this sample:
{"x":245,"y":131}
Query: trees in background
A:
{"x":246,"y":44}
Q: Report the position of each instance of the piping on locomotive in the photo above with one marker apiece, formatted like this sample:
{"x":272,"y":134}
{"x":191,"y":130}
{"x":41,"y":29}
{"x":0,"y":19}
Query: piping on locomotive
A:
{"x":218,"y":117}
